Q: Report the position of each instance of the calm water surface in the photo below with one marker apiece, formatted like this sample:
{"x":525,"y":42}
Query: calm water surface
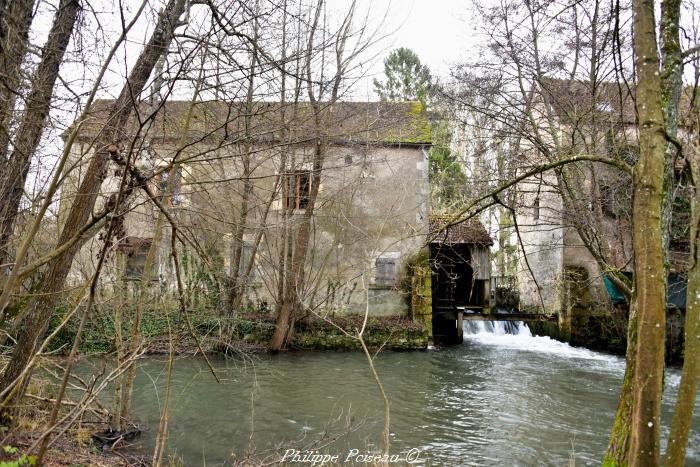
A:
{"x":498,"y":399}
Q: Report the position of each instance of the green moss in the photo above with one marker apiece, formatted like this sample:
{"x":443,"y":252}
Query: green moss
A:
{"x":423,"y":132}
{"x":399,"y":340}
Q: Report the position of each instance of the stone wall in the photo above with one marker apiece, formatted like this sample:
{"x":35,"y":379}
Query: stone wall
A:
{"x":372,"y":204}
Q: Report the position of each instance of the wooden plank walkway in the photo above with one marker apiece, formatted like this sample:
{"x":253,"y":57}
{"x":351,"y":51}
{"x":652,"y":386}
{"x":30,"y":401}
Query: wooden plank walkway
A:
{"x":470,"y":315}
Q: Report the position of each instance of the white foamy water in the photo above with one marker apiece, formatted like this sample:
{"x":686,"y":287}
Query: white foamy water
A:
{"x":517,"y":335}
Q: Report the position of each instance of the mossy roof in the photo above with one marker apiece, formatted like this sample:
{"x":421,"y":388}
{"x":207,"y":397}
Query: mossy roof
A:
{"x":389,"y":123}
{"x":470,"y":231}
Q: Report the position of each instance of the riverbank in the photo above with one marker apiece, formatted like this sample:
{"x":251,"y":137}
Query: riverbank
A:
{"x":70,"y":446}
{"x":247,"y":332}
{"x":64,"y":452}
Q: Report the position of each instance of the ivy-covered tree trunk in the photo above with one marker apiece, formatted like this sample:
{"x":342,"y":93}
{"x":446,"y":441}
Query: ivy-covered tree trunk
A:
{"x":672,"y":62}
{"x":657,"y":106}
{"x":619,"y":444}
{"x":647,"y":238}
{"x":636,"y":431}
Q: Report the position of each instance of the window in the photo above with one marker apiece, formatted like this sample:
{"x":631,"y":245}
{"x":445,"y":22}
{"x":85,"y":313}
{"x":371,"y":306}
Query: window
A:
{"x":386,"y":271}
{"x":136,"y":250}
{"x":348,"y":159}
{"x":536,"y":208}
{"x":246,"y":260}
{"x":607,"y":201}
{"x":297,"y":189}
{"x":175,"y":197}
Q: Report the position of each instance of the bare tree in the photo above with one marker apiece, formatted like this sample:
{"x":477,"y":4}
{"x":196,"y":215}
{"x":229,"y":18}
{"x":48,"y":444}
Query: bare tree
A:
{"x":289,"y":308}
{"x":108,"y":146}
{"x":24,"y":144}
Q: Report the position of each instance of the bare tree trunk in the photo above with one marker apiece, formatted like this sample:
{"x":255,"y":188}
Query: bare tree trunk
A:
{"x":295,"y":270}
{"x":236,"y":285}
{"x":649,"y":269}
{"x":34,"y":325}
{"x":15,"y":21}
{"x":32,"y":125}
{"x":122,"y":294}
{"x":162,"y":434}
{"x":291,"y":302}
{"x":690,"y":375}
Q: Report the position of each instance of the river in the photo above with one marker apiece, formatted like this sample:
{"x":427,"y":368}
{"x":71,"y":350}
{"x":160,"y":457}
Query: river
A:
{"x":498,"y":399}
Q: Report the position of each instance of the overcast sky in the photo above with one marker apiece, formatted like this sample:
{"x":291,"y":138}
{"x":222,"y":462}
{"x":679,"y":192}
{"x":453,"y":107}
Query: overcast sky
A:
{"x":439,"y":31}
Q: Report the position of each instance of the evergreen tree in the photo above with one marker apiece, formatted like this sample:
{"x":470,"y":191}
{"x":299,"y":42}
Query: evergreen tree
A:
{"x":447,"y":179}
{"x":406,"y":78}
{"x":409,"y":80}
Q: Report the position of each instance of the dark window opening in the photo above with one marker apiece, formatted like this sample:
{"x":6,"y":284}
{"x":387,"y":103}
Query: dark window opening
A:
{"x":348,"y":160}
{"x":536,"y":208}
{"x":607,"y":201}
{"x":297,"y":190}
{"x":136,"y":250}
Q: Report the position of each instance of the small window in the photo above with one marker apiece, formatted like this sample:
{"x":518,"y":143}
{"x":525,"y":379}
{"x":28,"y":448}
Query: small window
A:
{"x":386,"y":271}
{"x":607,"y":201}
{"x":175,"y":197}
{"x":536,"y":208}
{"x":136,"y":250}
{"x":246,"y":259}
{"x":297,"y":189}
{"x":348,"y":159}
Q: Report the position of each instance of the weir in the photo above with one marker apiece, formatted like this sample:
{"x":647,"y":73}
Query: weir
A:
{"x":498,"y":328}
{"x":516,"y":335}
{"x":468,"y":315}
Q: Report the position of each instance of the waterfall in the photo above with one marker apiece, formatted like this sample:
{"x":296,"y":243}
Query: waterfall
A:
{"x":516,"y":335}
{"x":497,"y":328}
